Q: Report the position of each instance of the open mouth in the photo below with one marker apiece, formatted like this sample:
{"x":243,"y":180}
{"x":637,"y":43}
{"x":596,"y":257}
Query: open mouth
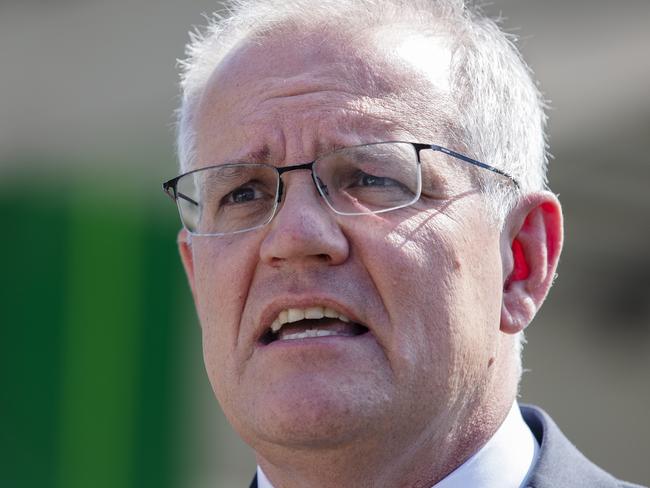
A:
{"x":314,"y":322}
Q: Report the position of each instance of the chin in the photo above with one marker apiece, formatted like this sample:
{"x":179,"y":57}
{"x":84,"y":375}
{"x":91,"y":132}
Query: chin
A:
{"x":313,"y":414}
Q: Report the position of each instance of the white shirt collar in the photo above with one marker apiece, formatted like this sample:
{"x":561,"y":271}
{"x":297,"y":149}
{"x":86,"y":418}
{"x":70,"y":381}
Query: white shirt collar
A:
{"x":262,"y":480}
{"x":503,"y":462}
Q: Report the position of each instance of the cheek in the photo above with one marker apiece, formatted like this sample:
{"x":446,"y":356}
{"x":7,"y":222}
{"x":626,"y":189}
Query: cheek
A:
{"x":425,"y":270}
{"x":223,"y":270}
{"x":413,"y":269}
{"x":436,"y":285}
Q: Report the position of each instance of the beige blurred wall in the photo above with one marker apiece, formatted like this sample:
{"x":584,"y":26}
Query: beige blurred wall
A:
{"x":93,"y":85}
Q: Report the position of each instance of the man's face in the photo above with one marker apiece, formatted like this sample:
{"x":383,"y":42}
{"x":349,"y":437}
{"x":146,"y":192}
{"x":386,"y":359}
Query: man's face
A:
{"x":424,"y":281}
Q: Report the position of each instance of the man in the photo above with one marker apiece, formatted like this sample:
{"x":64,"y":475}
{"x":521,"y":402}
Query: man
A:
{"x":366,"y":235}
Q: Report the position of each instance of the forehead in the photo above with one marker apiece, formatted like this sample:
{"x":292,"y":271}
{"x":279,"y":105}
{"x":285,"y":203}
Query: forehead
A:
{"x":316,"y":91}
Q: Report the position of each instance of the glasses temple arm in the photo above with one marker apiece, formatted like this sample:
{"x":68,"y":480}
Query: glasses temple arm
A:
{"x":185,"y":197}
{"x":469,"y":160}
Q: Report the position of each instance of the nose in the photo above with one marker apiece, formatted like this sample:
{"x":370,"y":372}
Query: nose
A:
{"x":303,"y":229}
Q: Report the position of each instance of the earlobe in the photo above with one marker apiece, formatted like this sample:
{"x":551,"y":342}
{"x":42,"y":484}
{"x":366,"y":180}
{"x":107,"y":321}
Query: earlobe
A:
{"x":184,"y":241}
{"x":531,"y":251}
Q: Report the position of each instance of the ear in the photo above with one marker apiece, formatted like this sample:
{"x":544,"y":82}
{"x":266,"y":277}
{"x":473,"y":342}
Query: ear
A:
{"x":531,"y":245}
{"x":184,"y":241}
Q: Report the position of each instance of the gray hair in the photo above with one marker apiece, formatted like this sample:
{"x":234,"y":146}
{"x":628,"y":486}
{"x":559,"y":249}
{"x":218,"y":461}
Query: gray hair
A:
{"x":499,"y":109}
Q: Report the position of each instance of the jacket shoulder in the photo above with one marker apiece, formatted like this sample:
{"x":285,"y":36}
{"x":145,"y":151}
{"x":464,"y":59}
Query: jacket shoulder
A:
{"x":560,"y":464}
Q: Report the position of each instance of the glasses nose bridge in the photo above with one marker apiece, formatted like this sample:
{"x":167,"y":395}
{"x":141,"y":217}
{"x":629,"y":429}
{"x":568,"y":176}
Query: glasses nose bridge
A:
{"x":285,"y":169}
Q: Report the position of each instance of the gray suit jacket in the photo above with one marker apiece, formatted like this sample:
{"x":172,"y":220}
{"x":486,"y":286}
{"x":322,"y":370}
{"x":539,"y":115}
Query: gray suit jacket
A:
{"x":560,"y":464}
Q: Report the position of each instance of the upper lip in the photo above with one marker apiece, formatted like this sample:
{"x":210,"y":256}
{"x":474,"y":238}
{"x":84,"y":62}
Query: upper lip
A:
{"x":271,"y":311}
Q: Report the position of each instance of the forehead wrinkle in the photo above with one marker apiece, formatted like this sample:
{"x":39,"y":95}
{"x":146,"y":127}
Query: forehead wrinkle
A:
{"x":428,"y":114}
{"x":278,"y":101}
{"x":322,"y":126}
{"x":330,"y":128}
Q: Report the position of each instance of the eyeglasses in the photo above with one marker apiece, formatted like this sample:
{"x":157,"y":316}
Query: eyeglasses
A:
{"x":358,"y":180}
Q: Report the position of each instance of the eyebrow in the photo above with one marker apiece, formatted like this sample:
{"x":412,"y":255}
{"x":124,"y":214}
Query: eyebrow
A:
{"x":261,"y":155}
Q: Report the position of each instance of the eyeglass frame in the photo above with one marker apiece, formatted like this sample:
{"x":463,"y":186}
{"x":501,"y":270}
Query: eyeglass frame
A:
{"x":171,"y":190}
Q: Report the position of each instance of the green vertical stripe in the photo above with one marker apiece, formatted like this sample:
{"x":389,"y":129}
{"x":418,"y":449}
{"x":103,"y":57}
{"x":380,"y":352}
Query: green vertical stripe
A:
{"x":161,"y":347}
{"x":33,"y":260}
{"x":100,"y":345}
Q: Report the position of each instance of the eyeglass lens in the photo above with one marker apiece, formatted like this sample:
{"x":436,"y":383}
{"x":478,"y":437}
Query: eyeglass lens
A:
{"x":356,"y":180}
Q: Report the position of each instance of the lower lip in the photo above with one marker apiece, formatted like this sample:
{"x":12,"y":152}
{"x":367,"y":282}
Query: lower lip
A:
{"x":323,"y":341}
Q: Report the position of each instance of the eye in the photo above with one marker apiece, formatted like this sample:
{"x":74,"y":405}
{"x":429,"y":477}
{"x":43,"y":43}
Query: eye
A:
{"x":367,"y":180}
{"x":242,"y":194}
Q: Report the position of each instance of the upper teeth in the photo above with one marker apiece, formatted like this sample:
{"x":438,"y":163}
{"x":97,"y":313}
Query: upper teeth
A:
{"x":295,"y":314}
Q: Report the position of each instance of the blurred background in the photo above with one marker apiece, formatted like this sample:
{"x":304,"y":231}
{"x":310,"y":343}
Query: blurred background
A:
{"x":102,"y":382}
